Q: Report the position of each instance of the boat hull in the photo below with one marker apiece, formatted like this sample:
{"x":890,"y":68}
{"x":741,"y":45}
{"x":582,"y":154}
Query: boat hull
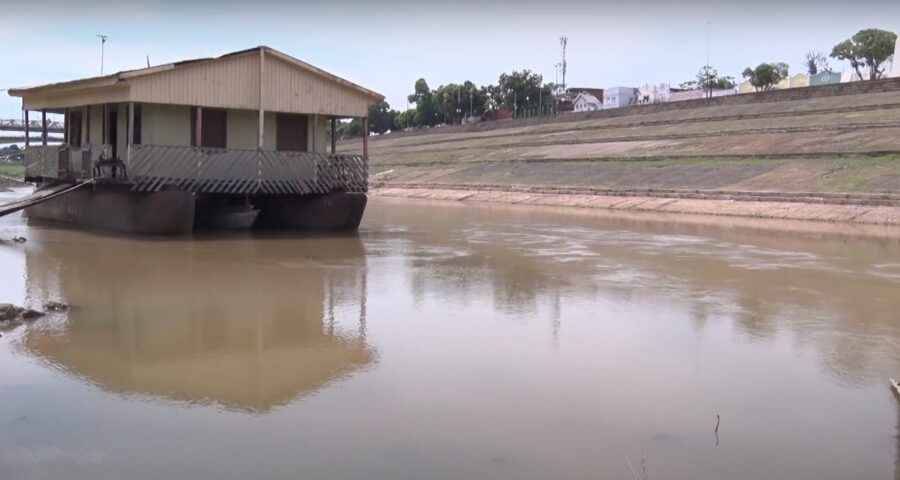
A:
{"x":115,"y":208}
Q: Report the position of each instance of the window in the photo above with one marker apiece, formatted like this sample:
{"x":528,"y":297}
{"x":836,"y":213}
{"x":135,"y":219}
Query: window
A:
{"x":213,"y":123}
{"x":291,"y":132}
{"x":75,"y":128}
{"x":137,"y":139}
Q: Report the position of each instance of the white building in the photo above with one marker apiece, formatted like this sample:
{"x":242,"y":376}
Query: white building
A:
{"x":616,"y":97}
{"x":654,"y":93}
{"x":585,"y":102}
{"x":895,"y":63}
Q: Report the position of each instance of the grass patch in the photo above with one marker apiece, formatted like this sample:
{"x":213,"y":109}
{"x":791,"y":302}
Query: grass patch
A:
{"x":855,"y":174}
{"x":13,"y":170}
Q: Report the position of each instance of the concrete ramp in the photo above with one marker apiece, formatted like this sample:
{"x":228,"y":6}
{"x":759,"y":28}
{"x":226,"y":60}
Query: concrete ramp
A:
{"x":40,"y":196}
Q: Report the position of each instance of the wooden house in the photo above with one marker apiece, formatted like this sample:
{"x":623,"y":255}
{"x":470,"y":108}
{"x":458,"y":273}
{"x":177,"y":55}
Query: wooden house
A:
{"x":247,"y":130}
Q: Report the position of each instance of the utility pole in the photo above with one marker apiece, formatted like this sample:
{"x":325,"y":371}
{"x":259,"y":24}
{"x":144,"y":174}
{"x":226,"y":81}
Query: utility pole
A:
{"x":102,"y":38}
{"x":708,"y":67}
{"x":564,"y":40}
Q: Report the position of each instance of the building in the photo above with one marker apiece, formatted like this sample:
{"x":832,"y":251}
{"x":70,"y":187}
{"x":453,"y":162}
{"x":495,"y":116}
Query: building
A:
{"x":617,"y":97}
{"x":797,"y":81}
{"x":183,"y":143}
{"x":895,"y":61}
{"x":586,"y":102}
{"x":682,"y":95}
{"x":656,"y":93}
{"x":824,"y":78}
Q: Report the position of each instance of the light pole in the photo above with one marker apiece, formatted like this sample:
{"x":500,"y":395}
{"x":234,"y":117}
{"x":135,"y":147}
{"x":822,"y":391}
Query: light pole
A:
{"x":102,"y":38}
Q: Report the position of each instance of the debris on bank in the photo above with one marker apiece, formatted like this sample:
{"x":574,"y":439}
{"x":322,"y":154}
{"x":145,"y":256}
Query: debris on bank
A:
{"x":896,"y":388}
{"x":12,"y":316}
{"x":56,"y":306}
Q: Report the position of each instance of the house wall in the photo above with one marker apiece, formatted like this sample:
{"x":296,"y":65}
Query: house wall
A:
{"x":243,"y":129}
{"x":166,"y":125}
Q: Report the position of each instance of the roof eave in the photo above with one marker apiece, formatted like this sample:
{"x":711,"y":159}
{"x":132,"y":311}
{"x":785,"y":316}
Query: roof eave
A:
{"x":62,"y":87}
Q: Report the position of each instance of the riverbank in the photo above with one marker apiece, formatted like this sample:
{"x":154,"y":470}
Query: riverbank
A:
{"x":851,"y":209}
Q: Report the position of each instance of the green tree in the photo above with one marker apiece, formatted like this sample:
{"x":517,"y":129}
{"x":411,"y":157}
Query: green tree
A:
{"x":405,"y":119}
{"x":868,"y":49}
{"x":766,"y":75}
{"x":423,"y":97}
{"x":816,"y":62}
{"x":381,"y":118}
{"x":708,"y":78}
{"x":518,"y":90}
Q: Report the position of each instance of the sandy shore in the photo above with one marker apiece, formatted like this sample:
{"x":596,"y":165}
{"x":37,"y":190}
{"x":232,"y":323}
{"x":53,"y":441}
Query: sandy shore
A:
{"x":795,"y":211}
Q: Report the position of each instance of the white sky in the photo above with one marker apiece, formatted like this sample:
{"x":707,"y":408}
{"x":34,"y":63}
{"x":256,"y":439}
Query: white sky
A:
{"x":387,"y":45}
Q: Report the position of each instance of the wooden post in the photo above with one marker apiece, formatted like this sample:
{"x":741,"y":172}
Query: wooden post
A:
{"x":262,"y":113}
{"x":27,"y":131}
{"x":85,"y":127}
{"x":130,"y":134}
{"x":198,"y":128}
{"x":103,"y":135}
{"x":44,"y":128}
{"x":333,"y":135}
{"x":66,"y":125}
{"x":366,"y":136}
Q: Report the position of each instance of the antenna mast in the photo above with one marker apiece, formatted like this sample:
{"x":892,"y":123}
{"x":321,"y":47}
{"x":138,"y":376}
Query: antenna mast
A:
{"x":564,"y":40}
{"x":102,"y":38}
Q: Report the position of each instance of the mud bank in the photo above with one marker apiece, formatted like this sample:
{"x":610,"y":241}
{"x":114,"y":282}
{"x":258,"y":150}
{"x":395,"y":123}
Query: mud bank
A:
{"x":775,"y":210}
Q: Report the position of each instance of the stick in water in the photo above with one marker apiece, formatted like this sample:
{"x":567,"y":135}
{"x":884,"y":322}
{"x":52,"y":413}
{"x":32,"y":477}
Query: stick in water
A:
{"x":716,"y":431}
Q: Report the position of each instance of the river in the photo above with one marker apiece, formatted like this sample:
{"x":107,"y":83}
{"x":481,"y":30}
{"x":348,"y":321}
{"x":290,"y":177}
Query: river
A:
{"x":451,"y":341}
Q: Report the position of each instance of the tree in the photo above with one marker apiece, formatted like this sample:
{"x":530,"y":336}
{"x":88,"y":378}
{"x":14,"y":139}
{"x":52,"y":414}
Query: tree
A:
{"x":868,"y":48}
{"x":766,"y":75}
{"x":523,"y":89}
{"x":406,"y":119}
{"x":423,"y":97}
{"x":816,"y":62}
{"x":708,"y":79}
{"x":381,"y":118}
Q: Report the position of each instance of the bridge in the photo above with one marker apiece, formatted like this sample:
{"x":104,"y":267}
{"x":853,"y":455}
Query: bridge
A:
{"x":34,"y":127}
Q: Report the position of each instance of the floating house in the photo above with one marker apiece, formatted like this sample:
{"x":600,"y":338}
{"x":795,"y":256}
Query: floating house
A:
{"x":237,"y":141}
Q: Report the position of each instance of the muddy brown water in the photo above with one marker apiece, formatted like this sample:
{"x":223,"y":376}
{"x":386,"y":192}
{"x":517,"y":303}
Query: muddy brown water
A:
{"x":453,"y":341}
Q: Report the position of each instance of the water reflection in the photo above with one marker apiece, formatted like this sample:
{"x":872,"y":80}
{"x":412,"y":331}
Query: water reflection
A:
{"x":245,"y":325}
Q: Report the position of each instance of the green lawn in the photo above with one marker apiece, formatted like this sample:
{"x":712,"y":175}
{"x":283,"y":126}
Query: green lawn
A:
{"x":13,"y":170}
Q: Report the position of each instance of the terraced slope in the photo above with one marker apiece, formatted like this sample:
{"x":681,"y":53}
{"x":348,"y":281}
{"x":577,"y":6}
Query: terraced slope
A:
{"x":842,"y":143}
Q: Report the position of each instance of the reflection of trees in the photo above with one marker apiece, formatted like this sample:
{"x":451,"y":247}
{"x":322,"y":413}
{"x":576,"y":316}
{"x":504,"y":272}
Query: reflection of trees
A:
{"x":822,"y":296}
{"x":231,"y":322}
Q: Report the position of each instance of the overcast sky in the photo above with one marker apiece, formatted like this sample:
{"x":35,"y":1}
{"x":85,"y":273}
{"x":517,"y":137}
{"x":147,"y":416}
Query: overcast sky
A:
{"x":386,"y":46}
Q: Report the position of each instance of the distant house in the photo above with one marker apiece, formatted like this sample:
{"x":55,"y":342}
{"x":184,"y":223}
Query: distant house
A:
{"x":617,"y":97}
{"x":824,"y":78}
{"x":660,"y":93}
{"x":680,"y":96}
{"x":573,"y":92}
{"x":797,"y":81}
{"x":894,"y":71}
{"x":586,"y":102}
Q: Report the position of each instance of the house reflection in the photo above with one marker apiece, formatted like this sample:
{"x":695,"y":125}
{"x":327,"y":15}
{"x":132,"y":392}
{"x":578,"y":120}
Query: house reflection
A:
{"x":247,"y":325}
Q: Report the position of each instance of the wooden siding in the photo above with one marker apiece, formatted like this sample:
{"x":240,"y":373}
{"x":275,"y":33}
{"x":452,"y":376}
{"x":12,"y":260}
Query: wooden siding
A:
{"x":230,"y":82}
{"x":291,"y":89}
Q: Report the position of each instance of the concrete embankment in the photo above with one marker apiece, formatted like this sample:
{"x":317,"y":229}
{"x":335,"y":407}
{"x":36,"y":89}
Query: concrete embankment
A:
{"x":855,"y":209}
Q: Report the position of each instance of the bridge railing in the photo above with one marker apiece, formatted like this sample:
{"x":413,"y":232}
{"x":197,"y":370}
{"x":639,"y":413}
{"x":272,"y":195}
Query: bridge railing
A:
{"x":207,"y":170}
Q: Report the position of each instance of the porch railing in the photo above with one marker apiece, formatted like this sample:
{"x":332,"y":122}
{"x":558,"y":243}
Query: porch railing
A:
{"x":206,"y":170}
{"x":63,"y":162}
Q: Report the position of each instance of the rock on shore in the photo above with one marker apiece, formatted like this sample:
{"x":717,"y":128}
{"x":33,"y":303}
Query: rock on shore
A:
{"x":12,"y":316}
